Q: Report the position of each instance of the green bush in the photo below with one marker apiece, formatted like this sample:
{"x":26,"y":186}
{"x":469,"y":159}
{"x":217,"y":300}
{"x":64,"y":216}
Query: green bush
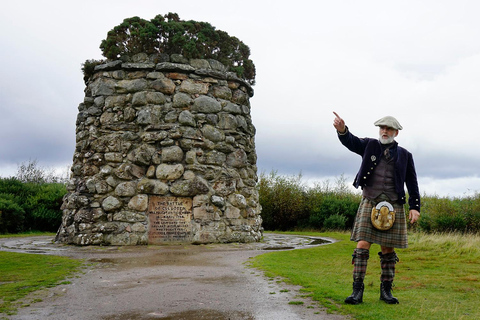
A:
{"x":334,"y":203}
{"x":88,"y":68}
{"x":282,"y":200}
{"x":13,"y":187}
{"x":447,"y":215}
{"x":44,"y":205}
{"x":335,"y":222}
{"x":12,"y":215}
{"x":12,"y":195}
{"x":288,"y":204}
{"x":169,"y":34}
{"x":471,"y":208}
{"x":437,"y":213}
{"x":450,"y":223}
{"x":30,"y":206}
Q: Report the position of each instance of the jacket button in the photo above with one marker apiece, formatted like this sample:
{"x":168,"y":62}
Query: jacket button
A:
{"x":364,"y":177}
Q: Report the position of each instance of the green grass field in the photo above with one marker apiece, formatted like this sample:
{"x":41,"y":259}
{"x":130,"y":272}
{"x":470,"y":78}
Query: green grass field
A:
{"x":437,"y":276}
{"x":27,"y":234}
{"x":22,"y":273}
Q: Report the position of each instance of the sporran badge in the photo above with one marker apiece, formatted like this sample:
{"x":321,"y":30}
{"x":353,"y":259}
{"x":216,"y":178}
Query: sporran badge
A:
{"x":383,"y":215}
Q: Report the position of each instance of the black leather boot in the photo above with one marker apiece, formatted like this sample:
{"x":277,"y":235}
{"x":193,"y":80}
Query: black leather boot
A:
{"x":386,"y":292}
{"x":357,"y":295}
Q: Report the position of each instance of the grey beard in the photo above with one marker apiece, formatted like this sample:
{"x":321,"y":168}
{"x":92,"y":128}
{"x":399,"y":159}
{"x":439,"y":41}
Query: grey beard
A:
{"x":386,"y":141}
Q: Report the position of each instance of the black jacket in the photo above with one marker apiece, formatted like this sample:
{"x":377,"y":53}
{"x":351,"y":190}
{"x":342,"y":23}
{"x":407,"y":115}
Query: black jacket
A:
{"x":371,"y":151}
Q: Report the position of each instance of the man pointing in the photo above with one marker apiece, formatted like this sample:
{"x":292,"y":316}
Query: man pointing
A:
{"x":385,"y":169}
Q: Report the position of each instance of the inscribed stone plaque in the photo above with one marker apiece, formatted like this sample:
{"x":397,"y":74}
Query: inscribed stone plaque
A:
{"x":170,"y":219}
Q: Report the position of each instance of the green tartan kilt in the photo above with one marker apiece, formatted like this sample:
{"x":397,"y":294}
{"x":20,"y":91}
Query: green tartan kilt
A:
{"x":363,"y":229}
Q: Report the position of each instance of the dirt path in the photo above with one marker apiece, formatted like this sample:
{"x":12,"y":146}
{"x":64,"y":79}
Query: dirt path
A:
{"x":168,"y":282}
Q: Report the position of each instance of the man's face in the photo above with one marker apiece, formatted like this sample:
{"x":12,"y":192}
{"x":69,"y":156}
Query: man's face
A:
{"x":387,"y":134}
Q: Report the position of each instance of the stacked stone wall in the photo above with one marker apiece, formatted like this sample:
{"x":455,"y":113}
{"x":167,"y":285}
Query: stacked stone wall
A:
{"x":165,"y":152}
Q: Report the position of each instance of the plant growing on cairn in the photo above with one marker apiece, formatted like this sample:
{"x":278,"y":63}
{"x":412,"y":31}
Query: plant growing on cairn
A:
{"x":169,"y":34}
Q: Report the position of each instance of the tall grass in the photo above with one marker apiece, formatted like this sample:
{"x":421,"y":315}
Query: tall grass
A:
{"x":451,"y":243}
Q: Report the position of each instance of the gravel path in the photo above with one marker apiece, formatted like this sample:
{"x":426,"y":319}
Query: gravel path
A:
{"x":168,"y":282}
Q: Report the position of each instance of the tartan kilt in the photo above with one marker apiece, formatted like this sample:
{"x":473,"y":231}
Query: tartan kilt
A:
{"x":363,"y":229}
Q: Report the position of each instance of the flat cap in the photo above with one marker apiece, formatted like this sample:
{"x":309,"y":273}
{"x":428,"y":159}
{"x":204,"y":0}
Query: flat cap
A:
{"x":389,"y":121}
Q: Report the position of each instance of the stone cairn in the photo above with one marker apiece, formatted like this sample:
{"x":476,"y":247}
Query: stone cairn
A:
{"x":165,"y":153}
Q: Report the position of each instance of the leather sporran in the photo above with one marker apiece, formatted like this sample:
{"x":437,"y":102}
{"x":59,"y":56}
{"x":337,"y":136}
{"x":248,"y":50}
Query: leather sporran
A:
{"x":383,"y":215}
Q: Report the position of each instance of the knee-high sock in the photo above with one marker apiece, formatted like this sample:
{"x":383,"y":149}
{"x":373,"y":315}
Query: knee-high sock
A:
{"x":359,"y":261}
{"x":387,"y":262}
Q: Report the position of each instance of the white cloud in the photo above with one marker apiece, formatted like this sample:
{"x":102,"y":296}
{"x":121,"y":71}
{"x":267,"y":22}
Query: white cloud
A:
{"x":456,"y":187}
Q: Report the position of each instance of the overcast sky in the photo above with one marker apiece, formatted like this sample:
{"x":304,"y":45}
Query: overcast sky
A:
{"x":416,"y":60}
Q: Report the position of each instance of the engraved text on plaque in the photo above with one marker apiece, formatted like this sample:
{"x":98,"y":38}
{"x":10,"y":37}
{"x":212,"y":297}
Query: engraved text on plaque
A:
{"x":170,"y":219}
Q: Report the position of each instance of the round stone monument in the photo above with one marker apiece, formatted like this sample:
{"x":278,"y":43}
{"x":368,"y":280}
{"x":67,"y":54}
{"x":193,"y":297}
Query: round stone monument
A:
{"x":165,"y":153}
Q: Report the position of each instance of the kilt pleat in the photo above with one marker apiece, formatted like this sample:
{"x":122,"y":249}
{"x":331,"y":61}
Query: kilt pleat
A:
{"x":363,"y":229}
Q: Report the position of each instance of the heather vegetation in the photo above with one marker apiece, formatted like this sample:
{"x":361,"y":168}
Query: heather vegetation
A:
{"x":169,"y":34}
{"x":288,"y":203}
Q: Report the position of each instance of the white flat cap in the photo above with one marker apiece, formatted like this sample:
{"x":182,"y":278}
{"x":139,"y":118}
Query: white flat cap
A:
{"x":389,"y":121}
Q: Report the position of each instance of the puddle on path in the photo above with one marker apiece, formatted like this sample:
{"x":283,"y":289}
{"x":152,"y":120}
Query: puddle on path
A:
{"x":184,"y":315}
{"x":279,"y":248}
{"x":319,"y":241}
{"x":304,"y":242}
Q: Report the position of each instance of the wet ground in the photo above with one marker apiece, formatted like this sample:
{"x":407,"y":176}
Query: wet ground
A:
{"x":181,"y":282}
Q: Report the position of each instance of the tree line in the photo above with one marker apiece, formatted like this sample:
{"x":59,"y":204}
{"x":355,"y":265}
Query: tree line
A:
{"x":289,"y":204}
{"x":31,"y":201}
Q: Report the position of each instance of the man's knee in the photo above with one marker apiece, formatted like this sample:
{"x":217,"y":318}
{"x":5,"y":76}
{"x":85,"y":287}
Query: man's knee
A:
{"x":363,"y":245}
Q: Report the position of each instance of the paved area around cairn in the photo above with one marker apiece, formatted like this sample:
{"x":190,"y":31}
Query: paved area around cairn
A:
{"x":169,"y":282}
